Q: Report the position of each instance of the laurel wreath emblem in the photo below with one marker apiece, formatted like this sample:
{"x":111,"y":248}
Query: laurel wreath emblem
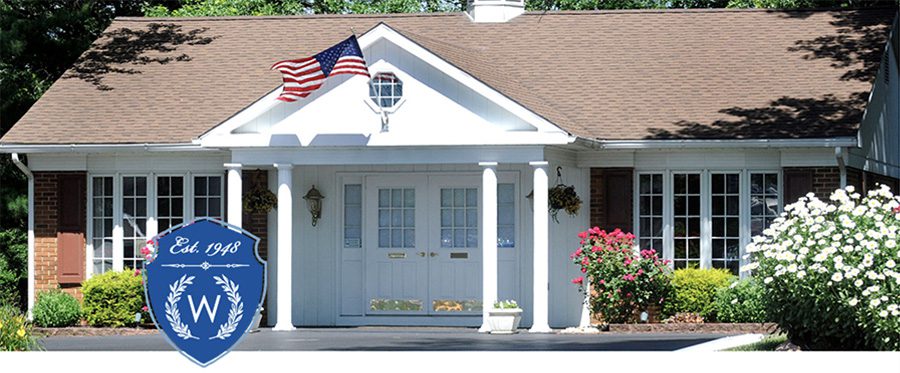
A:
{"x":236,"y":313}
{"x":172,"y":314}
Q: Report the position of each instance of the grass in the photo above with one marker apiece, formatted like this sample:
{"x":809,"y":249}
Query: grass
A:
{"x":768,"y":343}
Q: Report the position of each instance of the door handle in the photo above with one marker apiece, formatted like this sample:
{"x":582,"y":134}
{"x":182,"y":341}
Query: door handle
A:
{"x":421,"y":253}
{"x":433,"y":254}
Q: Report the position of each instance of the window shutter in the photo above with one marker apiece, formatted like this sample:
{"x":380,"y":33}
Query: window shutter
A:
{"x":70,"y":228}
{"x":797,"y":183}
{"x":618,"y":196}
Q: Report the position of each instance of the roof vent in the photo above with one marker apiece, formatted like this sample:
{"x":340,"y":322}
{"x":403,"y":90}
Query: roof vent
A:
{"x":494,"y":11}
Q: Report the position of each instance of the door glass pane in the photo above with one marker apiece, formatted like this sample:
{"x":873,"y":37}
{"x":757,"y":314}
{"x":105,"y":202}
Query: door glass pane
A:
{"x":396,"y":218}
{"x":764,"y":206}
{"x":464,"y":213}
{"x":686,"y":215}
{"x":353,"y":216}
{"x":169,"y":201}
{"x":725,"y":217}
{"x":208,"y":197}
{"x":134,"y":219}
{"x":506,"y":215}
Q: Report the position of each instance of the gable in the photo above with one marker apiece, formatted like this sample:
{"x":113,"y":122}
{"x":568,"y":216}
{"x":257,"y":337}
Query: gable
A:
{"x":438,"y":107}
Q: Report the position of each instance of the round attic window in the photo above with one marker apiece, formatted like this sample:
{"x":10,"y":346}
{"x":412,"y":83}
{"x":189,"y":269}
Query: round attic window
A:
{"x":385,"y":89}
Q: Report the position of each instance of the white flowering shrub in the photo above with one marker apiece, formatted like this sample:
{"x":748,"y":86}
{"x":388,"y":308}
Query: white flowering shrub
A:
{"x":830,"y":271}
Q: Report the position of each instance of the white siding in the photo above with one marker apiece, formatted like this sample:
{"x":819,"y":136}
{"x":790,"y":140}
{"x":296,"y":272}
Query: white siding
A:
{"x":879,"y":133}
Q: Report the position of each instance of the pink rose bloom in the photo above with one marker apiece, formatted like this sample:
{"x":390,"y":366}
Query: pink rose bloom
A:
{"x":145,"y":250}
{"x":583,"y":270}
{"x":628,"y":261}
{"x":137,"y":272}
{"x":578,"y":280}
{"x":595,"y":249}
{"x":640,"y":271}
{"x":144,"y":308}
{"x":627,"y":295}
{"x":582,"y":235}
{"x":602,"y":281}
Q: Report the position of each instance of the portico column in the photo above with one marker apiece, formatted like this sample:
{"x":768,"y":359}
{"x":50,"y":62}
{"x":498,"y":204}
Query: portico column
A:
{"x":488,"y":241}
{"x":235,"y":214}
{"x":285,"y":247}
{"x":541,"y":249}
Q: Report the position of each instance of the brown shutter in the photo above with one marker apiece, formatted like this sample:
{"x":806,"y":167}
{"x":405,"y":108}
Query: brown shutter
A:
{"x":797,"y":183}
{"x":70,"y":228}
{"x":618,"y":196}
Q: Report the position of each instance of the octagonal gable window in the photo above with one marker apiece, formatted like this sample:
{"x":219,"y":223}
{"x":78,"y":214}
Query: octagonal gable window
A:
{"x":385,"y":89}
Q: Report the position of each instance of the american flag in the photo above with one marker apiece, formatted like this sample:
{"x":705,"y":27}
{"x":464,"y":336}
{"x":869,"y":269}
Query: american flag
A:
{"x":305,"y":75}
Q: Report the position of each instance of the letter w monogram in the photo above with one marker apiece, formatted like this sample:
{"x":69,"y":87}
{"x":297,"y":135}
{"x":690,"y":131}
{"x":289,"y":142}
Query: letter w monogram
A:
{"x":204,"y":304}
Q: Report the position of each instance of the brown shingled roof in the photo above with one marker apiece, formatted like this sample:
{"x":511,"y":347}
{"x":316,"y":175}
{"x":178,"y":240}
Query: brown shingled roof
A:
{"x":609,"y":74}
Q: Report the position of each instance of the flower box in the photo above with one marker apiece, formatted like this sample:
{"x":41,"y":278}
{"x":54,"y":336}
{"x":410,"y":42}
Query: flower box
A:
{"x":505,"y":321}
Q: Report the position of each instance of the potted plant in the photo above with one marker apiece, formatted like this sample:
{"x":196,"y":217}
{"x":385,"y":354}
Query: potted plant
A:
{"x":505,"y":317}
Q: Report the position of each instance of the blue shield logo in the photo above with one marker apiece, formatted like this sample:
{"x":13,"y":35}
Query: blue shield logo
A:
{"x":204,"y":283}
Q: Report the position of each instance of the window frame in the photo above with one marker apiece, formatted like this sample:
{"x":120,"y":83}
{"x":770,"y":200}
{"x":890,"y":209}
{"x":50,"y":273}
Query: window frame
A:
{"x":147,"y":211}
{"x":378,"y":97}
{"x":705,"y":208}
{"x":89,"y":249}
{"x":193,"y":196}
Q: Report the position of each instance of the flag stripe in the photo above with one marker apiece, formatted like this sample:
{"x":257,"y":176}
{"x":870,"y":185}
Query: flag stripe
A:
{"x":302,"y":76}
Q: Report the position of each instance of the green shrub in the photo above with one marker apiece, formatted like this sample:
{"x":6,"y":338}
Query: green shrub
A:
{"x":694,"y":290}
{"x":13,"y":266}
{"x":830,"y":271}
{"x":56,"y":308}
{"x":743,"y":301}
{"x":112,"y":298}
{"x":15,"y":331}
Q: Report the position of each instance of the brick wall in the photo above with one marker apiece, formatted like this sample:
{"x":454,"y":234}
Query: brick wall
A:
{"x":827,"y":179}
{"x":600,"y":201}
{"x":46,"y":209}
{"x":257,"y":223}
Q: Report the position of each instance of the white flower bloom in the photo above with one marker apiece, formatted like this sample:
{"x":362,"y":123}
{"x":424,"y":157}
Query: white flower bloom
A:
{"x":837,"y":277}
{"x":890,"y":263}
{"x":767,"y":280}
{"x":883,"y":313}
{"x":875,"y":302}
{"x":858,"y":283}
{"x":853,"y":302}
{"x":734,"y":301}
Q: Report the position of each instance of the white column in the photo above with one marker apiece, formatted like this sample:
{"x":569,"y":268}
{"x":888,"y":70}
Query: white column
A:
{"x":118,"y":253}
{"x":235,"y":190}
{"x":585,"y":321}
{"x":541,"y":249}
{"x":488,"y":241}
{"x":285,"y":247}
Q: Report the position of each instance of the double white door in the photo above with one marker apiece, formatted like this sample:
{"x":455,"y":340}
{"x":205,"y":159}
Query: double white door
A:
{"x":423,"y":244}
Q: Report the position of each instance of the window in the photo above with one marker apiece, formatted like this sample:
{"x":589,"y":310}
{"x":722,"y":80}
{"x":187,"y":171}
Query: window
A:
{"x":397,"y":218}
{"x":651,"y":211}
{"x":208,"y":197}
{"x":686,"y":215}
{"x":102,"y":220}
{"x":764,"y":207}
{"x":169,"y":201}
{"x":459,"y":217}
{"x":506,"y":215}
{"x":134,"y":218}
{"x":726,"y":210}
{"x":353,"y":216}
{"x":385,"y":89}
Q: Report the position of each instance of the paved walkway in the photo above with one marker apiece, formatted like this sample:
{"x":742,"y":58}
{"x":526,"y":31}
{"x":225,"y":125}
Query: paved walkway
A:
{"x":401,"y":339}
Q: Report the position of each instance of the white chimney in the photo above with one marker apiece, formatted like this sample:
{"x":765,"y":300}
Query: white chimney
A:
{"x":494,"y":11}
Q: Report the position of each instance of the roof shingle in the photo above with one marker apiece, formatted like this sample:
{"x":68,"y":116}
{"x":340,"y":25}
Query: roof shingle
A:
{"x":724,"y":74}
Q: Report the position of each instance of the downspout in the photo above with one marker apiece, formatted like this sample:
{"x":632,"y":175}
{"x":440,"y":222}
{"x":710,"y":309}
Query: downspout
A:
{"x":18,"y":162}
{"x":841,"y":155}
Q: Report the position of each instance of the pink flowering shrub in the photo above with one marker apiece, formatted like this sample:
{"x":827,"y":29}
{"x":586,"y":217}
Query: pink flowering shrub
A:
{"x":623,"y":281}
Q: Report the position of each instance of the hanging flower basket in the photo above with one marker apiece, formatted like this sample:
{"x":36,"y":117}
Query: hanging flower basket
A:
{"x":563,"y":197}
{"x":259,"y":200}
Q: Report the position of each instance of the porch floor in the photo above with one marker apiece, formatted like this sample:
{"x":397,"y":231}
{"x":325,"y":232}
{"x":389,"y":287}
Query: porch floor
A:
{"x":400,"y":339}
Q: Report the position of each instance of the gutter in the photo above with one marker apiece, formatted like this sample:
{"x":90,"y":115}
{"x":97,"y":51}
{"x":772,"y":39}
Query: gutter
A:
{"x":841,"y":154}
{"x":98,"y":148}
{"x":18,"y":162}
{"x":844,"y":142}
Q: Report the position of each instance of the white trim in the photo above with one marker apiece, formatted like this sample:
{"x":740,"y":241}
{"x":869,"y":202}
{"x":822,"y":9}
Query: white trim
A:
{"x":714,"y":143}
{"x":118,"y":229}
{"x":28,"y":174}
{"x":387,"y":156}
{"x":98,"y":148}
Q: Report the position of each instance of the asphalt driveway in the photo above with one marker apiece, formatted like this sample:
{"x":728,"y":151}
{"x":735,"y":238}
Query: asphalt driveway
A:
{"x":400,"y":339}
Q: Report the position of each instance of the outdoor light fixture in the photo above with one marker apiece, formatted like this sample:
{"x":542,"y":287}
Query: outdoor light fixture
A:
{"x":314,"y":203}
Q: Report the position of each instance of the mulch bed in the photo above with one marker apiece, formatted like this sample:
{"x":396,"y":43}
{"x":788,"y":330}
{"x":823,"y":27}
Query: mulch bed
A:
{"x":717,"y":328}
{"x":86,"y":331}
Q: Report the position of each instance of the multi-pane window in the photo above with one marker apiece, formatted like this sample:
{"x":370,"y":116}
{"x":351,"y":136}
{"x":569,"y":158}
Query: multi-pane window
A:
{"x":353,"y":216}
{"x":506,"y":215}
{"x":102,"y":220}
{"x":650,"y":192}
{"x":686,"y":216}
{"x":385,"y":89}
{"x":459,"y":217}
{"x":763,"y":201}
{"x":169,"y":201}
{"x":397,"y":218}
{"x":725,"y":202}
{"x":134,"y":219}
{"x":208,"y":197}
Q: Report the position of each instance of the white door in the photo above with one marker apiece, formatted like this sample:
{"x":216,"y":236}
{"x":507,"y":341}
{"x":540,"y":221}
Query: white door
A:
{"x":454,"y":245}
{"x":397,"y":241}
